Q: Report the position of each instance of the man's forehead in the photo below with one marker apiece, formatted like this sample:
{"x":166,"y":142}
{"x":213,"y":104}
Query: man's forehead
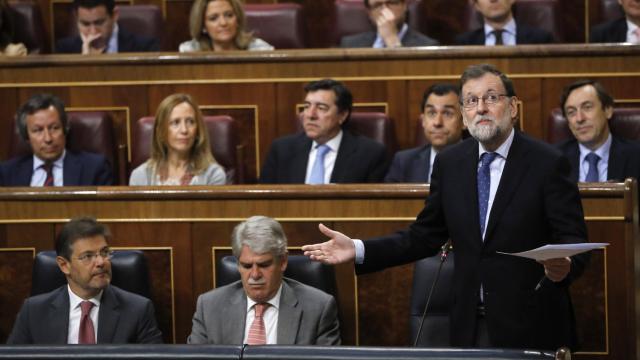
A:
{"x":91,"y":13}
{"x":96,"y":242}
{"x":446,"y":100}
{"x":487,"y":82}
{"x":321,"y":96}
{"x":44,"y":114}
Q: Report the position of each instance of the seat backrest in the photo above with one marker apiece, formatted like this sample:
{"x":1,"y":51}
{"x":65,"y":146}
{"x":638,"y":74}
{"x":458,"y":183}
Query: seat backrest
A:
{"x":625,"y":123}
{"x":90,"y":131}
{"x":435,"y":331}
{"x":140,"y":20}
{"x":129,"y":271}
{"x":299,"y":267}
{"x":351,"y":17}
{"x":541,"y":14}
{"x":281,"y":25}
{"x":610,"y":10}
{"x":29,"y":26}
{"x":223,"y":138}
{"x":374,"y":125}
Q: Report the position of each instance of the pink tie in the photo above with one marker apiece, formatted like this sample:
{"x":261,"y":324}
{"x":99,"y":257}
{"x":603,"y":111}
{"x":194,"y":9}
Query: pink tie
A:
{"x":257,"y":332}
{"x":86,"y":335}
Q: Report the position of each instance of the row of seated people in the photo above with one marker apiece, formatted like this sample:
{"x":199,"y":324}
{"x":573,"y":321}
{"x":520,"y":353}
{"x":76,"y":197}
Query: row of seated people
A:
{"x":260,"y":305}
{"x":223,"y":25}
{"x":177,"y":147}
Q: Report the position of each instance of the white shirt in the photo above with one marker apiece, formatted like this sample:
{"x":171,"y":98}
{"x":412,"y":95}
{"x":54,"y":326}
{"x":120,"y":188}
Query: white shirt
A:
{"x":112,"y":45}
{"x":75,"y":313}
{"x":39,"y":175}
{"x":432,"y":158}
{"x":329,"y":158}
{"x":379,"y":43}
{"x":270,"y":318}
{"x":495,"y":169}
{"x":508,"y":35}
{"x":632,"y":37}
{"x":603,"y":164}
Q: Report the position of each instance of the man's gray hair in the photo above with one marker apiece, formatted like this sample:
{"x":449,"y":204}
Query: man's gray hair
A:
{"x":261,"y":234}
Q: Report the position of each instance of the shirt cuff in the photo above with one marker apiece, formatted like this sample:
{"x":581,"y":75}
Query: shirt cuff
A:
{"x":359,"y":246}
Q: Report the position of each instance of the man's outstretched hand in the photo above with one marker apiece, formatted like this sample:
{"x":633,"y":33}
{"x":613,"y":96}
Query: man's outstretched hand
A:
{"x":337,"y":250}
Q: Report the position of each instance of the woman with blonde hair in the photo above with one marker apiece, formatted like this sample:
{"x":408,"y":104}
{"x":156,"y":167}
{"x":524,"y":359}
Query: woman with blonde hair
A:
{"x":218,"y":25}
{"x":180,"y":151}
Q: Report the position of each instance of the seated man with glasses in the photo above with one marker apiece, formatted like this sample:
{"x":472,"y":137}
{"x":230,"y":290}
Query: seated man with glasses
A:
{"x":389,"y":17}
{"x":88,"y":310}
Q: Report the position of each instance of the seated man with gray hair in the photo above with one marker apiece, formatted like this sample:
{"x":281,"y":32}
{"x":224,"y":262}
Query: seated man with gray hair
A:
{"x":264,"y":307}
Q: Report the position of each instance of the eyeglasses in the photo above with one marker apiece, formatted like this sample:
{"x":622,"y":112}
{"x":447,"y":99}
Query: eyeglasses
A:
{"x":89,"y":258}
{"x":490,"y":99}
{"x":380,"y":4}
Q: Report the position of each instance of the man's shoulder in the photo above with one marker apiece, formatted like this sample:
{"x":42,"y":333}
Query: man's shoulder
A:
{"x":610,"y":31}
{"x":473,"y":37}
{"x":532,"y":35}
{"x":15,"y":161}
{"x":362,"y":141}
{"x":130,"y":42}
{"x":412,"y":152}
{"x":567,"y":145}
{"x":306,"y":292}
{"x":363,"y":39}
{"x":127,"y":297}
{"x":290,"y":140}
{"x":416,"y":38}
{"x":222,"y":293}
{"x":69,"y":45}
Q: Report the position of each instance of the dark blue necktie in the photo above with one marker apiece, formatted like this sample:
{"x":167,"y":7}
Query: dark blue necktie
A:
{"x":484,"y":185}
{"x":592,"y":174}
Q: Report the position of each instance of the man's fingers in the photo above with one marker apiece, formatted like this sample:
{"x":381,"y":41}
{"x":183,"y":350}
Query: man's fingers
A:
{"x":325,"y":230}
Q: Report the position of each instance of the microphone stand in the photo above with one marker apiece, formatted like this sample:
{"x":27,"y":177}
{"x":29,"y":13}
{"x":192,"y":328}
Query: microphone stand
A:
{"x":443,"y":257}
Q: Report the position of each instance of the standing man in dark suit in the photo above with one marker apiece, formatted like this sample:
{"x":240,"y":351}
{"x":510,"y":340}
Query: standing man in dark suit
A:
{"x":625,"y":29}
{"x":595,"y":155}
{"x":325,"y":153}
{"x":42,"y":121}
{"x":442,"y":124}
{"x":98,"y":32}
{"x":264,"y":307}
{"x":500,"y":27}
{"x":389,"y":17}
{"x":498,"y":191}
{"x":87,"y":310}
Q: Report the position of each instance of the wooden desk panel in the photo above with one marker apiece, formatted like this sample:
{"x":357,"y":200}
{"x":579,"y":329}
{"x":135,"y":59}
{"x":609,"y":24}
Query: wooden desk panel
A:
{"x":187,"y":222}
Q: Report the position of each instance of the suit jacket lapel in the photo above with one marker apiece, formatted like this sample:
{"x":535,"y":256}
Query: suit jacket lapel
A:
{"x":419,"y":169}
{"x":72,"y":170}
{"x":300,"y":159}
{"x":289,"y":316}
{"x":57,"y":320}
{"x":468,"y":189}
{"x":108,"y":316}
{"x":512,"y":174}
{"x":574,"y":159}
{"x":235,"y":318}
{"x":24,"y":172}
{"x":615,"y":169}
{"x":341,"y":167}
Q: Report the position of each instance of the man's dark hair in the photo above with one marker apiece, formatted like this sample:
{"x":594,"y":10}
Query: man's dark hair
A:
{"x":90,"y":4}
{"x":605,"y":99}
{"x":478,"y":71}
{"x":344,"y":99}
{"x":439,"y":90}
{"x":78,"y":228}
{"x":366,"y":3}
{"x":36,"y":103}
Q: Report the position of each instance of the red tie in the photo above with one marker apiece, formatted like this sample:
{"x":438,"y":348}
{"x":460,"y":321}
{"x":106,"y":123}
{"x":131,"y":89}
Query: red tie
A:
{"x":86,"y":335}
{"x":48,"y":167}
{"x":257,"y":332}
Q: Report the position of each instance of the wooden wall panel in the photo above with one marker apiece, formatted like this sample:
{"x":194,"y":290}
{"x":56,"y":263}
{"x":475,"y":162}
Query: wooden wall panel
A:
{"x":190,"y":223}
{"x":15,"y":284}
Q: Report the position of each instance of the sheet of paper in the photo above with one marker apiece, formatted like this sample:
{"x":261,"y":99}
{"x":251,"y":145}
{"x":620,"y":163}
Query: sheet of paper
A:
{"x":553,"y":251}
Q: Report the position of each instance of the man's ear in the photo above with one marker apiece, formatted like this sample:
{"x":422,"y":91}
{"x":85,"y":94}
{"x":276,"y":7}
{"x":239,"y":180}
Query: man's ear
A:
{"x":284,"y":261}
{"x":608,"y":112}
{"x":63,"y":264}
{"x":116,"y":14}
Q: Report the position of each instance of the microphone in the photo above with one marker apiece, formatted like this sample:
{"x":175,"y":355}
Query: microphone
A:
{"x":444,"y":252}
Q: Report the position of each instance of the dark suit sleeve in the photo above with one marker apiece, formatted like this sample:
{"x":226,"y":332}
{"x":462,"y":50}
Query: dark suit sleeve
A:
{"x":379,"y":165}
{"x":394,"y":175}
{"x":269,"y":173}
{"x":104,"y":176}
{"x":329,"y":328}
{"x":20,"y":333}
{"x":148,"y":332}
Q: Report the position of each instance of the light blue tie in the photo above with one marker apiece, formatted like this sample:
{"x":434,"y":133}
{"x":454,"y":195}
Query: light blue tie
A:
{"x":592,"y":174}
{"x":317,"y":171}
{"x":484,"y":186}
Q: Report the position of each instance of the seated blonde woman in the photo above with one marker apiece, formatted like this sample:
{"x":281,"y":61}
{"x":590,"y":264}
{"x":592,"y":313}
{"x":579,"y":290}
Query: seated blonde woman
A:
{"x":180,"y":151}
{"x":218,"y":25}
{"x":7,"y":33}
